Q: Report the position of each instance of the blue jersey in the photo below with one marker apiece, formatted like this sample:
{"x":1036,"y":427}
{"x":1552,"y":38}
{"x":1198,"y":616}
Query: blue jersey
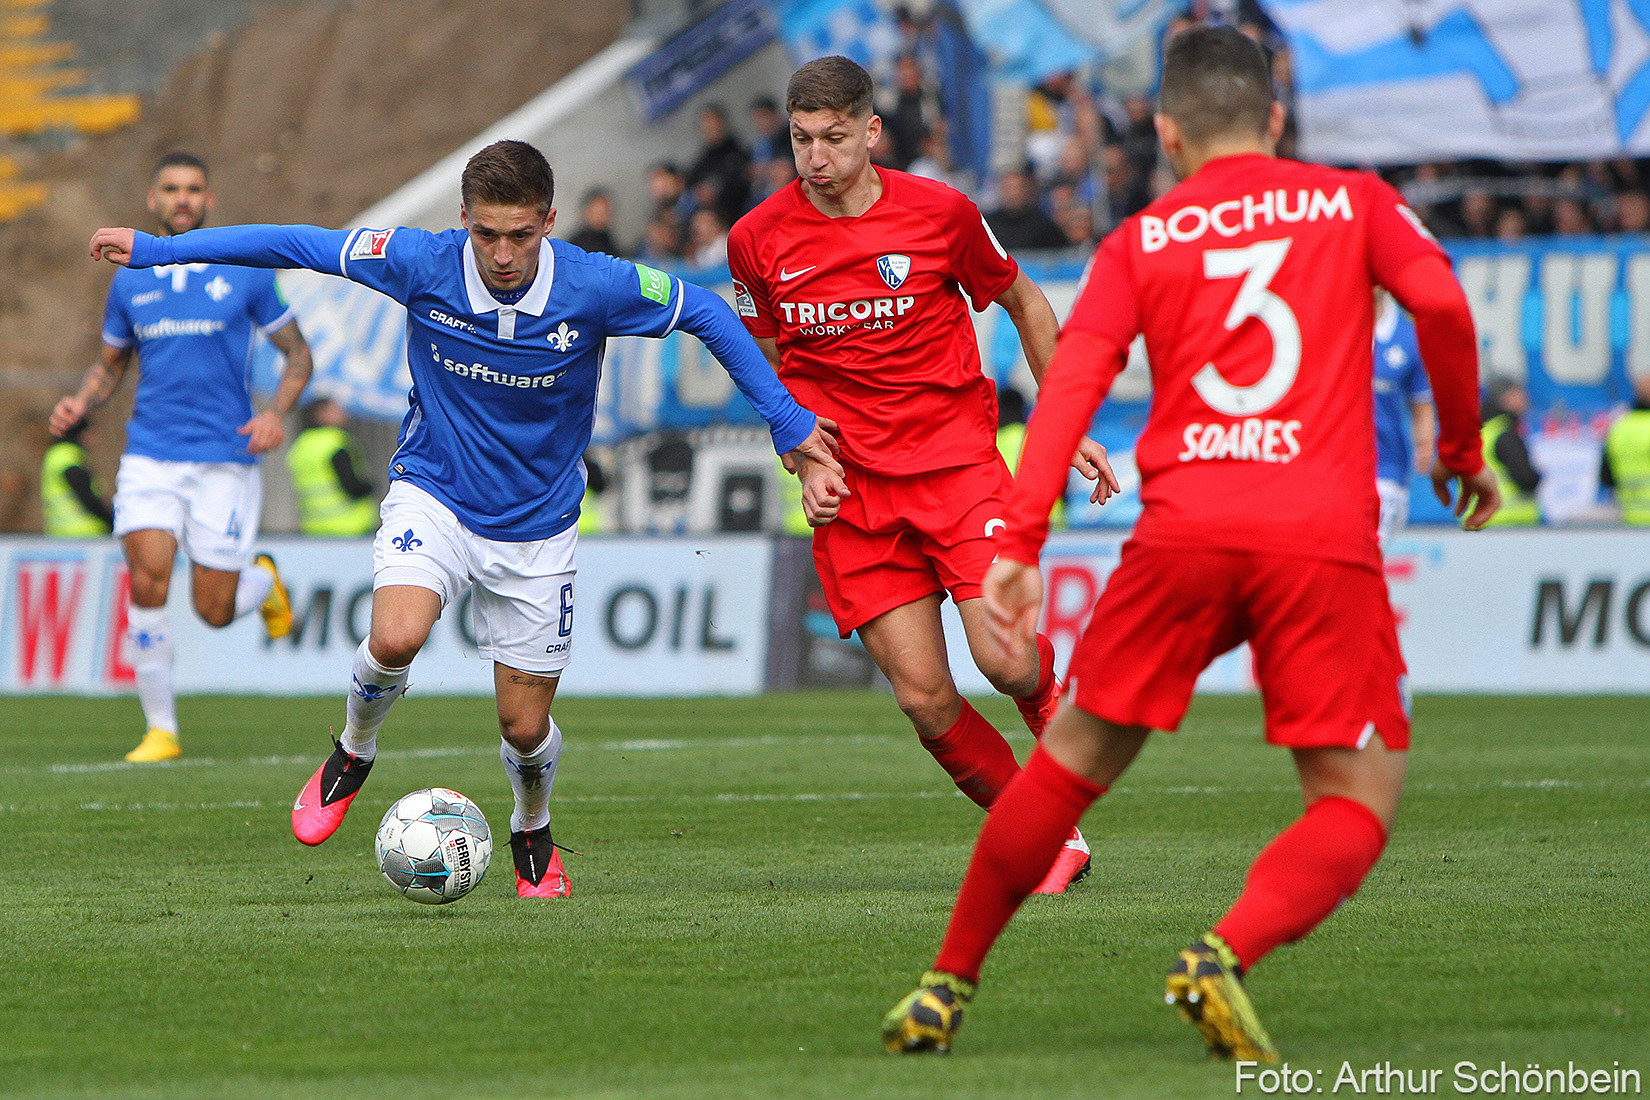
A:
{"x":1400,"y":382}
{"x":192,"y":326}
{"x":504,"y":395}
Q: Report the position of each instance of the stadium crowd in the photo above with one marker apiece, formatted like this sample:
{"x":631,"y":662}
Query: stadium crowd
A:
{"x":1091,"y":159}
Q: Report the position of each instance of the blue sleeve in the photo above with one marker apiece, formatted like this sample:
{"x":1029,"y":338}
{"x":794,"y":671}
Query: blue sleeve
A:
{"x":372,"y":257}
{"x":712,"y":320}
{"x":1416,"y":386}
{"x":641,"y":301}
{"x":117,"y":323}
{"x":268,"y":305}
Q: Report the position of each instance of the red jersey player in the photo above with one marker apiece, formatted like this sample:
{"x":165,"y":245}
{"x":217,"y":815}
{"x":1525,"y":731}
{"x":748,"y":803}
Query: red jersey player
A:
{"x":1251,"y":282}
{"x":856,"y":281}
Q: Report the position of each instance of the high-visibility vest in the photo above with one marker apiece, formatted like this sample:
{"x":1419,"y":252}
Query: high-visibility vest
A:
{"x":1628,"y":446}
{"x":1011,"y":440}
{"x":790,"y":501}
{"x":323,"y":506}
{"x":1518,"y":508}
{"x":65,"y":517}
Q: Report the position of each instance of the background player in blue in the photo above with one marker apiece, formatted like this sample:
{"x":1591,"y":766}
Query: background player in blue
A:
{"x":1406,"y":426}
{"x":189,"y":473}
{"x":505,"y":331}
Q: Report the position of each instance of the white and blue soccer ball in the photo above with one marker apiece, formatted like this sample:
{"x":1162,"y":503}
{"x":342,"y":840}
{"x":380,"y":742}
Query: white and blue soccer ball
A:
{"x":433,"y":846}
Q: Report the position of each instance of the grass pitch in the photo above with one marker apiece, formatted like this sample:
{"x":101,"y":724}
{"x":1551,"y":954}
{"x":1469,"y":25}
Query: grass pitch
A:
{"x":759,"y":880}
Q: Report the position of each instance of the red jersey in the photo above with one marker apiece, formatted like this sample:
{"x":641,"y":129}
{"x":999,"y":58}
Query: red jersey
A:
{"x":869,"y":316}
{"x":1252,"y":283}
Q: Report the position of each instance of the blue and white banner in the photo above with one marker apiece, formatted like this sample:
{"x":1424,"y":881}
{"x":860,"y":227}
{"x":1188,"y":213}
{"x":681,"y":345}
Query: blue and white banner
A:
{"x":1432,"y":80}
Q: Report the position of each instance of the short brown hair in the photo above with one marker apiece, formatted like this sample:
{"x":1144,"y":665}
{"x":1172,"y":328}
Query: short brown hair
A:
{"x":830,"y":84}
{"x":508,"y":173}
{"x":1216,"y":81}
{"x":179,"y":159}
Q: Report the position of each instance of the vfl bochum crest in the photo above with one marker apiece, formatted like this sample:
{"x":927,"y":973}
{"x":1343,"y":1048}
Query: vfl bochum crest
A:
{"x":893,"y":268}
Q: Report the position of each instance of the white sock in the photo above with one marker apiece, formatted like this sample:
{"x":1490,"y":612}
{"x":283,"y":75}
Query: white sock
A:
{"x":532,"y":774}
{"x":252,"y":589}
{"x":373,"y":688}
{"x":151,"y":642}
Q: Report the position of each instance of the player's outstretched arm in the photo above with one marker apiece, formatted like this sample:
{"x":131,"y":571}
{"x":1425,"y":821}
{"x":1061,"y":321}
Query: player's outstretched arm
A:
{"x":276,"y":246}
{"x":712,"y":320}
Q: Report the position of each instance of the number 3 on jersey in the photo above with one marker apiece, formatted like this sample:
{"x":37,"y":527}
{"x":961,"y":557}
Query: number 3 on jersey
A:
{"x":1258,"y":264}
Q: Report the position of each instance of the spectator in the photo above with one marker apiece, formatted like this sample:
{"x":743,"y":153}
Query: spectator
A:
{"x":334,"y":501}
{"x":1127,"y":191}
{"x":668,"y":189}
{"x":720,"y":175}
{"x":1478,"y":211}
{"x":72,"y":504}
{"x":1633,"y":212}
{"x":908,"y":111}
{"x":935,"y":162}
{"x":772,"y":139}
{"x":1625,"y":468}
{"x":1570,"y":218}
{"x":1051,"y":121}
{"x":1076,"y":221}
{"x":1510,"y":225}
{"x":707,"y":238}
{"x":595,"y":233}
{"x":1018,"y":221}
{"x":1506,"y":402}
{"x":662,"y":238}
{"x":1075,"y":171}
{"x":774,"y":175}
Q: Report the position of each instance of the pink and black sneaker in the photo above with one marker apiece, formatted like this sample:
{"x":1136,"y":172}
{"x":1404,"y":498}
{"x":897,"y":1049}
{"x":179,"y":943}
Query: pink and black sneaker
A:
{"x":320,"y":807}
{"x":539,"y":871}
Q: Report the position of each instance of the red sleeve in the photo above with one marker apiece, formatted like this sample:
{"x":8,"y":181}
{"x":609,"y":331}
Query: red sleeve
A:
{"x":750,"y":292}
{"x":1396,"y":234}
{"x":1428,"y":289}
{"x":1082,"y":370}
{"x":981,"y":266}
{"x":1105,"y":299}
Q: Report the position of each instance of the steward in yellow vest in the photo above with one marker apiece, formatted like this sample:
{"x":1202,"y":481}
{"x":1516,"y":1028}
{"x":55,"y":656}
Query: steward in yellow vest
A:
{"x":1506,"y":454}
{"x":1626,"y":466}
{"x":333,"y":500}
{"x":72,"y":506}
{"x":1011,"y":439}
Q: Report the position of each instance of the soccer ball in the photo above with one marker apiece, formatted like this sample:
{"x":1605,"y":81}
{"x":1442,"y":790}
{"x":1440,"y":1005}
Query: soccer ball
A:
{"x":434,"y":846}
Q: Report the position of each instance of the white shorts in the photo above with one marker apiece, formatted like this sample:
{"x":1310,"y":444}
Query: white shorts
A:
{"x":211,"y":508}
{"x":1394,"y":509}
{"x":523,"y":605}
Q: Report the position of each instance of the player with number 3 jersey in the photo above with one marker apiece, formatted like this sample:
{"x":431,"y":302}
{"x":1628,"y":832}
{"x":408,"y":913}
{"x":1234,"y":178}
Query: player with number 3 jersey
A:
{"x":1252,"y":283}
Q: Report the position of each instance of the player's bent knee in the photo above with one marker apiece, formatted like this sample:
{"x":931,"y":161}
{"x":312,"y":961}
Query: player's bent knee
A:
{"x":216,"y":614}
{"x":524,"y":733}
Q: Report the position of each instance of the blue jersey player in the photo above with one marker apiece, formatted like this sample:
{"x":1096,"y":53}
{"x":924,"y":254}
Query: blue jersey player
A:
{"x":505,"y":330}
{"x":1405,"y":424}
{"x":189,"y":473}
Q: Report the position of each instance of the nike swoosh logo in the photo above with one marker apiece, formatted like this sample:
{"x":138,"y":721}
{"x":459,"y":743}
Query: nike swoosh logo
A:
{"x":298,"y":803}
{"x":787,"y":276}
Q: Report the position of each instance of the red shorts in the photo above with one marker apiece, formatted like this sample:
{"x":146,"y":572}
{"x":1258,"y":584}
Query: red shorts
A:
{"x":898,"y":539}
{"x":1322,"y":633}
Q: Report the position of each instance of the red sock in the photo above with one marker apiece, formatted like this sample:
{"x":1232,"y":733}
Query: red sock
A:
{"x":975,"y":756}
{"x":1299,"y":878}
{"x":1022,"y":835}
{"x":1038,"y":707}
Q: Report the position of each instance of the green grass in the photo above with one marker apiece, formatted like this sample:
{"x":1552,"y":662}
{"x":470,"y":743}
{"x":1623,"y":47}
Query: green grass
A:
{"x":759,"y":880}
